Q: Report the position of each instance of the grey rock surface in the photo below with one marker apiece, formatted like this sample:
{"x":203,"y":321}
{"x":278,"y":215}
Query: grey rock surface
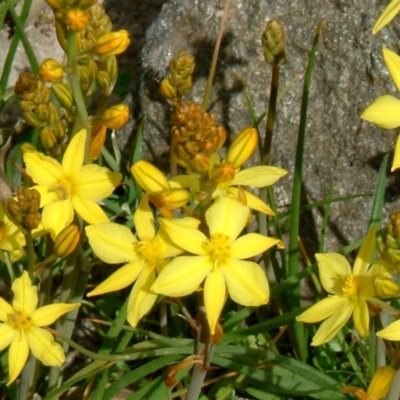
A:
{"x":341,"y":149}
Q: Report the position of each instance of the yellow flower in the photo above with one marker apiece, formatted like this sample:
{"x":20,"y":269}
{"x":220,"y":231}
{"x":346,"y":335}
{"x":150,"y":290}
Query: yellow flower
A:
{"x":161,"y":192}
{"x":116,"y":244}
{"x":70,"y":185}
{"x":219,"y":260}
{"x":112,"y":43}
{"x":11,"y":238}
{"x":50,"y":70}
{"x":385,"y":110}
{"x":22,"y":327}
{"x":76,"y":20}
{"x":390,"y":12}
{"x":349,"y":290}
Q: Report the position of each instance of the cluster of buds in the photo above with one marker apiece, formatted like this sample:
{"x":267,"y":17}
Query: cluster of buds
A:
{"x":179,"y":81}
{"x":195,"y":136}
{"x":273,"y":42}
{"x":389,"y":241}
{"x":24,"y":212}
{"x":38,"y":110}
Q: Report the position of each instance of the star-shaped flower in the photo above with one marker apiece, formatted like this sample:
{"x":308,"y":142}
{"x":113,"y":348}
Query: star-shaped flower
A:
{"x":116,"y":244}
{"x":70,"y":186}
{"x":350,"y":290}
{"x":385,"y":110}
{"x":218,"y":260}
{"x":22,"y":324}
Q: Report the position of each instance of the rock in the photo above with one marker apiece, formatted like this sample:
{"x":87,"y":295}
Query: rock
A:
{"x":341,"y":149}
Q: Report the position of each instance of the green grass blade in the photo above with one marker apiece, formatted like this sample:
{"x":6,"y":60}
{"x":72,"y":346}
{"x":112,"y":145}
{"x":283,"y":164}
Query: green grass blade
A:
{"x":379,"y":203}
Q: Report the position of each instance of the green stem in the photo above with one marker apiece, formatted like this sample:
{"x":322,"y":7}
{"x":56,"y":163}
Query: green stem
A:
{"x":210,"y":79}
{"x":30,"y":253}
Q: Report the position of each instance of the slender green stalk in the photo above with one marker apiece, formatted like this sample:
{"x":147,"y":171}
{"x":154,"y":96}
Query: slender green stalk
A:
{"x":30,"y":253}
{"x":293,"y":268}
{"x":210,"y":79}
{"x":8,"y":262}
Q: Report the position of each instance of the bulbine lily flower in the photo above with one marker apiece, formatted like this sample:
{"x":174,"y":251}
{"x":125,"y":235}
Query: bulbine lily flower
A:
{"x":390,"y":12}
{"x":218,"y":260}
{"x":116,"y":244}
{"x":70,"y":186}
{"x":385,"y":110}
{"x":21,"y":327}
{"x":349,"y":292}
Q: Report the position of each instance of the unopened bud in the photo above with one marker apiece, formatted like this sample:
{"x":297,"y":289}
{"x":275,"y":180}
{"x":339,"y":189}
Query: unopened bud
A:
{"x":67,"y":240}
{"x":222,"y":173}
{"x":63,"y":94}
{"x":48,"y":139}
{"x":201,"y":162}
{"x":167,"y":90}
{"x":273,"y":42}
{"x":242,"y":147}
{"x":385,"y":287}
{"x":116,"y":117}
{"x":97,"y":139}
{"x":381,"y":383}
{"x":174,"y":198}
{"x":51,"y":70}
{"x":76,"y":20}
{"x":149,"y":177}
{"x":112,"y":43}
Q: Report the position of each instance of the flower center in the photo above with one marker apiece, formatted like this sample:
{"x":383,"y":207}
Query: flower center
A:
{"x":61,"y":189}
{"x":351,"y":286}
{"x":148,"y":251}
{"x":19,"y":320}
{"x":217,"y":248}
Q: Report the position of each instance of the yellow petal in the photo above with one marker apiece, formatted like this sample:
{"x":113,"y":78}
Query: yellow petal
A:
{"x":144,"y":220}
{"x":141,"y":299}
{"x":331,"y":326}
{"x":242,"y":147}
{"x":214,"y":297}
{"x":396,"y":158}
{"x":260,"y":176}
{"x":56,"y":216}
{"x":182,"y":276}
{"x":17,"y":356}
{"x":7,"y":335}
{"x":186,"y":237}
{"x":384,"y":112}
{"x":251,"y":245}
{"x":381,"y":382}
{"x":25,"y":294}
{"x":365,"y":254}
{"x":391,"y":332}
{"x":220,"y":219}
{"x":94,"y":182}
{"x":390,"y":12}
{"x":361,"y":317}
{"x":253,"y":202}
{"x":5,"y":309}
{"x":149,"y":177}
{"x":246,"y":281}
{"x":333,"y":268}
{"x":90,"y":211}
{"x":392,"y":61}
{"x":44,"y":348}
{"x":74,"y":154}
{"x":48,"y":314}
{"x":46,"y":197}
{"x":112,"y":243}
{"x":42,"y":169}
{"x":120,"y":279}
{"x":323,"y":309}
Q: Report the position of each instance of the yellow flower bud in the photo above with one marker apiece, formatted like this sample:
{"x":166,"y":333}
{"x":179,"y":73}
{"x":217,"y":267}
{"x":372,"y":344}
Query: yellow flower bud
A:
{"x":48,"y":139}
{"x":149,"y":177}
{"x":55,"y":4}
{"x":174,"y":198}
{"x":76,"y":20}
{"x":242,"y":147}
{"x":112,"y":43}
{"x":385,"y":287}
{"x":380,"y":383}
{"x":97,"y":140}
{"x":67,"y":240}
{"x":167,"y":90}
{"x":222,"y":173}
{"x":63,"y":94}
{"x":50,"y":70}
{"x":273,"y":41}
{"x":116,"y":117}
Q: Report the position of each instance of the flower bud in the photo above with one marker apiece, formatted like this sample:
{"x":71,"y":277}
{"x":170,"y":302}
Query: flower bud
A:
{"x":97,"y":139}
{"x":385,"y":287}
{"x":76,"y":20}
{"x":242,"y":147}
{"x":111,"y":43}
{"x":174,"y":198}
{"x":32,"y":119}
{"x":63,"y":94}
{"x":149,"y":177}
{"x":222,"y":173}
{"x":273,"y":42}
{"x":50,"y":70}
{"x":380,"y":383}
{"x":56,"y":4}
{"x":67,"y":240}
{"x":167,"y":90}
{"x":116,"y":117}
{"x":48,"y":139}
